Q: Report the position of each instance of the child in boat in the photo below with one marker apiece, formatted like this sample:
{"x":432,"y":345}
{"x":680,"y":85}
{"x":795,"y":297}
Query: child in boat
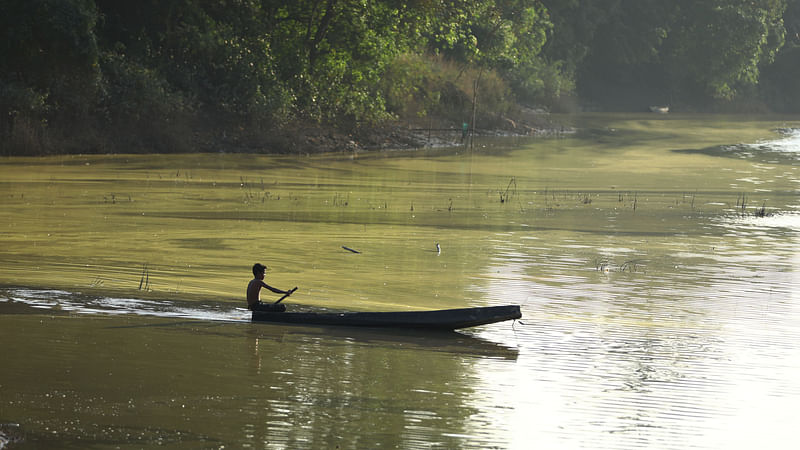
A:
{"x":254,"y":291}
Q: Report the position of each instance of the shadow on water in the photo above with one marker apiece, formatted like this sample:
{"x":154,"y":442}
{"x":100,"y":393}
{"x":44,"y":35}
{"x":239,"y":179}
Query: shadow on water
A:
{"x":781,"y":150}
{"x":14,"y":436}
{"x":611,"y":140}
{"x":202,"y":243}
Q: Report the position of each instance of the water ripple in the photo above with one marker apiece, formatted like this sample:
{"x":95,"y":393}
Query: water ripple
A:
{"x":58,"y":300}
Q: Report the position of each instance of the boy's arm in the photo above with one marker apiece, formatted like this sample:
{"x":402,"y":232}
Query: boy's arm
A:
{"x":277,"y":291}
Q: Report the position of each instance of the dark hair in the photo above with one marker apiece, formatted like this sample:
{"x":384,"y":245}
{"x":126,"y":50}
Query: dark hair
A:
{"x":259,"y":268}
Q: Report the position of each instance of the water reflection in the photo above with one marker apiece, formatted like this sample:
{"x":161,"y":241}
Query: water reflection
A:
{"x":659,"y":356}
{"x":667,"y":354}
{"x":372,"y":370}
{"x":184,"y":383}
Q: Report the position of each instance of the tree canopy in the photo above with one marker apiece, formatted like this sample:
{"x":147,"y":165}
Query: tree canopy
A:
{"x":691,"y":52}
{"x":143,"y":75}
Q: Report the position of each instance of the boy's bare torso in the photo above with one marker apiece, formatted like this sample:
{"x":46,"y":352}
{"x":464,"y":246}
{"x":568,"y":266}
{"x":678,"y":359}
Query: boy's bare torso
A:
{"x":254,"y":291}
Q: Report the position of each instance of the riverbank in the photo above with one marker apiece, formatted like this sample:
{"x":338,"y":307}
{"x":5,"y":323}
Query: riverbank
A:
{"x":214,"y":136}
{"x":391,"y":135}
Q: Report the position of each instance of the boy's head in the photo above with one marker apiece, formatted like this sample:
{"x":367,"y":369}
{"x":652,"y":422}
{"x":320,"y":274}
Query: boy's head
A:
{"x":259,"y":269}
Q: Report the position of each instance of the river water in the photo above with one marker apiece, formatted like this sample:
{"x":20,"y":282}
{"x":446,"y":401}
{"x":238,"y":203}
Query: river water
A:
{"x":655,"y":259}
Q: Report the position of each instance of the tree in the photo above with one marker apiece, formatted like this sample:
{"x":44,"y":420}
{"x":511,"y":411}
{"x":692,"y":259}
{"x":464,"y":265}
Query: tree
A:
{"x":332,"y":54}
{"x":690,"y":51}
{"x":717,"y":46}
{"x":48,"y":60}
{"x":779,"y":84}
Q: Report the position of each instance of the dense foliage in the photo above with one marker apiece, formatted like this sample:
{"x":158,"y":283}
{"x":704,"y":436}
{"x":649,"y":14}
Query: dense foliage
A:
{"x":693,"y":53}
{"x":167,"y":75}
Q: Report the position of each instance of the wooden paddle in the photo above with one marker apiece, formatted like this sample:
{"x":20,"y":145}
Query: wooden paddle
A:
{"x":287,"y":294}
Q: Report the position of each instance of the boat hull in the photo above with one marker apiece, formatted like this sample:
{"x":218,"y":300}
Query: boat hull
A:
{"x":445,"y":319}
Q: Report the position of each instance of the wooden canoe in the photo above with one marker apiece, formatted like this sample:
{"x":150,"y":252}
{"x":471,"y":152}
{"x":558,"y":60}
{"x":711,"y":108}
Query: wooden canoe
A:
{"x":445,"y":319}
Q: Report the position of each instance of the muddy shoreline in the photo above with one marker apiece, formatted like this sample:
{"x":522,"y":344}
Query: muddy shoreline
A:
{"x":210,"y":136}
{"x":396,"y":135}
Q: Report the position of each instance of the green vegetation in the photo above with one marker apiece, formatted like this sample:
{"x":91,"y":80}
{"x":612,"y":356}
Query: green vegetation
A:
{"x":694,"y":54}
{"x":189,"y":75}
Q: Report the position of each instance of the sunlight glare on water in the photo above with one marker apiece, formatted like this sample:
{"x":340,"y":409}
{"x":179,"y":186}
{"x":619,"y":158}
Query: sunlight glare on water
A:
{"x":789,"y":143}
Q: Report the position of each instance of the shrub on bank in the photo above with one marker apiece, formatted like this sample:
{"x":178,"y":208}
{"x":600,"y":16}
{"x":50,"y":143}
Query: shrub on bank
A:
{"x":420,"y":86}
